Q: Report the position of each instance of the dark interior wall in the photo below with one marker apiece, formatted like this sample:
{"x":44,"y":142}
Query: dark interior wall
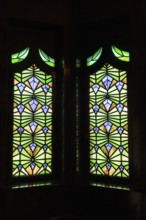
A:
{"x":54,"y":12}
{"x":92,"y":202}
{"x":84,"y":201}
{"x":59,"y":12}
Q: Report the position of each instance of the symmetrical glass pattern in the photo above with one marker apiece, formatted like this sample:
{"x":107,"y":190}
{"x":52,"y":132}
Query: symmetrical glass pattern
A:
{"x":32,"y":123}
{"x":108,"y":118}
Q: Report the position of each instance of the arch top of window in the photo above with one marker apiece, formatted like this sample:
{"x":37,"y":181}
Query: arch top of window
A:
{"x":47,"y":59}
{"x":20,"y":56}
{"x":93,"y":59}
{"x":120,"y":54}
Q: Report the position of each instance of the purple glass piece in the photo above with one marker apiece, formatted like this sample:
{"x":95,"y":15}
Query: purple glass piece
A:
{"x":95,"y":108}
{"x":33,"y":82}
{"x":20,"y":108}
{"x":45,"y":165}
{"x":21,"y":86}
{"x":20,"y":148}
{"x":119,"y":85}
{"x":120,"y":130}
{"x":96,"y":147}
{"x":107,"y":103}
{"x":19,"y":167}
{"x":108,"y":125}
{"x":121,"y":149}
{"x":95,"y":88}
{"x":108,"y":165}
{"x":33,"y":126}
{"x":107,"y":80}
{"x":96,"y":165}
{"x":96,"y":129}
{"x":45,"y":129}
{"x":120,"y":107}
{"x":33,"y":146}
{"x":121,"y":168}
{"x":45,"y":108}
{"x":20,"y":130}
{"x":33,"y":104}
{"x":32,"y":165}
{"x":45,"y":147}
{"x":108,"y":147}
{"x":46,"y":88}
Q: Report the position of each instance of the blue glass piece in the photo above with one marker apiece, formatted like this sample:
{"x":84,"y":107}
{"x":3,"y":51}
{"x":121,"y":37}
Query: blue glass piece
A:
{"x":107,"y":80}
{"x":121,"y":168}
{"x":45,"y":130}
{"x":120,"y":130}
{"x":107,"y":103}
{"x":96,"y":165}
{"x":95,"y":108}
{"x":45,"y":147}
{"x":32,"y":165}
{"x":45,"y":165}
{"x":120,"y":107}
{"x":20,"y":130}
{"x":33,"y":82}
{"x":33,"y":146}
{"x":20,"y":108}
{"x":46,"y":88}
{"x":45,"y":108}
{"x":121,"y":149}
{"x":19,"y":167}
{"x":108,"y":147}
{"x":21,"y":86}
{"x":96,"y":129}
{"x":95,"y":88}
{"x":33,"y":104}
{"x":20,"y":148}
{"x":108,"y":125}
{"x":119,"y":85}
{"x":33,"y":126}
{"x":108,"y":165}
{"x":96,"y":147}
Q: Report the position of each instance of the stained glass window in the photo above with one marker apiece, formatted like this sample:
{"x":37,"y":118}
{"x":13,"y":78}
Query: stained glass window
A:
{"x":32,"y":122}
{"x":108,"y":118}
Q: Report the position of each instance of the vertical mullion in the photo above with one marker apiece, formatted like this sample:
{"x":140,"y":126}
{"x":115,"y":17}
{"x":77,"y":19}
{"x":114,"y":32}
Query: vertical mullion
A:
{"x":84,"y":124}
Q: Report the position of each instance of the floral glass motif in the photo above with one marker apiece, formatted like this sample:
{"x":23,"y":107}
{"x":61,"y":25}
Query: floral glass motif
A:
{"x":108,"y":118}
{"x":32,"y":123}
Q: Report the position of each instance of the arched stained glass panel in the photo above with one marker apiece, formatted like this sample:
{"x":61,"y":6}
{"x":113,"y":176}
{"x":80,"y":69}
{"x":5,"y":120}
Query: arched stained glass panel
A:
{"x":20,"y":56}
{"x":47,"y":59}
{"x":32,"y":123}
{"x":121,"y":54}
{"x":93,"y":59}
{"x":108,"y":118}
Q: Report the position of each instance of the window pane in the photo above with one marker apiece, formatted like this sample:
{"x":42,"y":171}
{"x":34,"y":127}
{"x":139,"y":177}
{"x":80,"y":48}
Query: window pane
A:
{"x":108,"y":118}
{"x":32,"y":123}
